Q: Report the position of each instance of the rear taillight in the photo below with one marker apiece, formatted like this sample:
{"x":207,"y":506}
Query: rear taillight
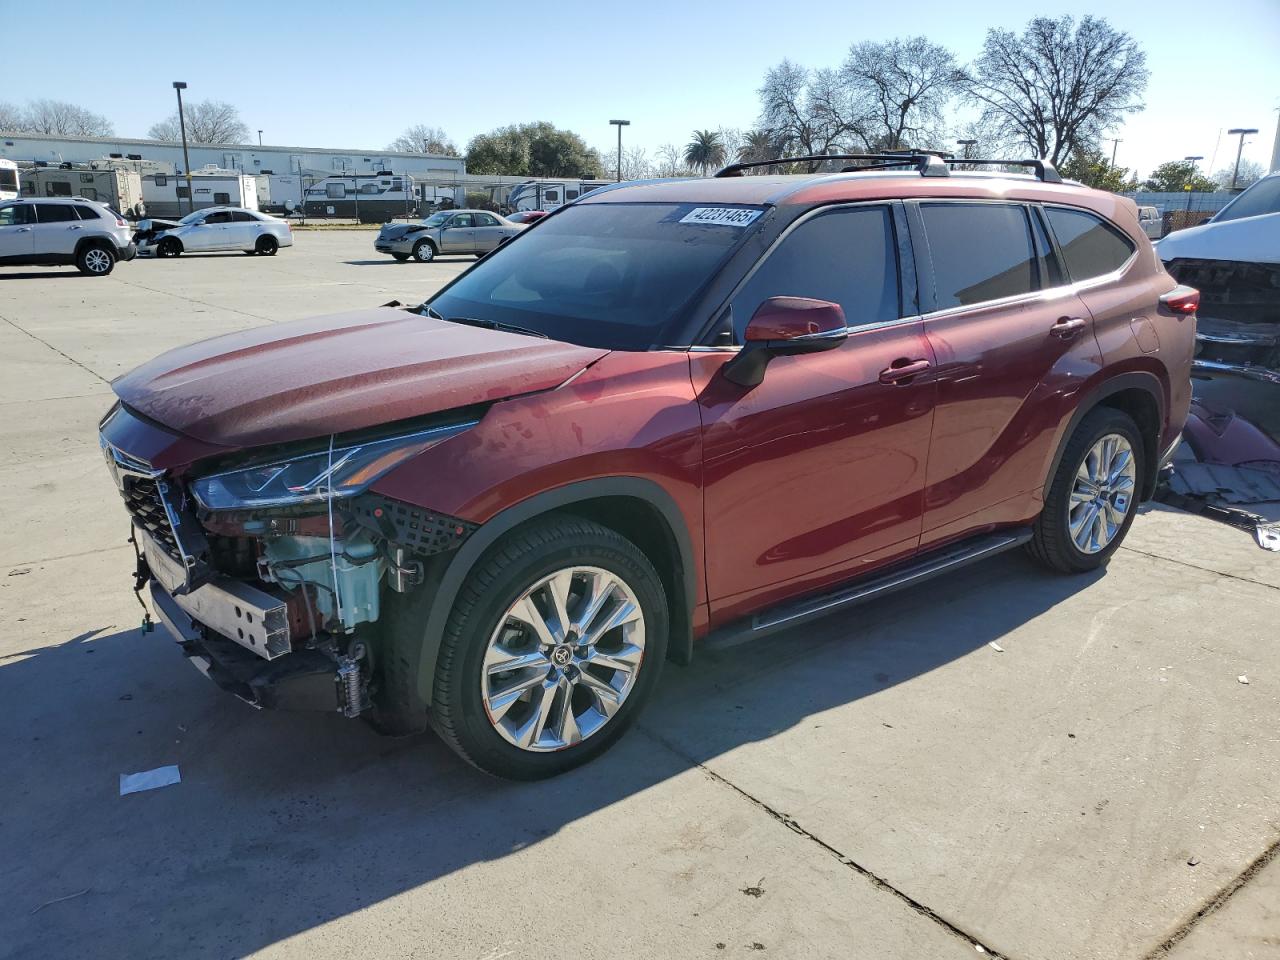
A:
{"x":120,"y":221}
{"x":1182,"y":299}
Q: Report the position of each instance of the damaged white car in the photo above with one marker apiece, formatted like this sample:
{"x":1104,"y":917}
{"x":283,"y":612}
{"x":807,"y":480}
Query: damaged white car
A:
{"x":1234,"y":261}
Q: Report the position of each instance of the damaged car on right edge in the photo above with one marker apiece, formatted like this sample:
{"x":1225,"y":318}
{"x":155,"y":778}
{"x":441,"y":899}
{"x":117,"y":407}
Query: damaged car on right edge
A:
{"x":675,"y":408}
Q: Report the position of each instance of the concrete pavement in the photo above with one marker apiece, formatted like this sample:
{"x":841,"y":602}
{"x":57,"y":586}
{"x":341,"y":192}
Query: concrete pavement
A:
{"x":882,"y":784}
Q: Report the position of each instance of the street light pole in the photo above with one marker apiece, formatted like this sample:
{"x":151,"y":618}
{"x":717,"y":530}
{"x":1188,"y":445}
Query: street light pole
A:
{"x":1244,"y":132}
{"x":1115,"y":142}
{"x":620,"y":124}
{"x":1193,"y":160}
{"x":967,"y":144}
{"x":186,"y":159}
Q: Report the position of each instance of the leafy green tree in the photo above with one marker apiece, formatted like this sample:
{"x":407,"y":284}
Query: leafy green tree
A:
{"x":1174,"y":176}
{"x":532,"y":150}
{"x":704,"y":151}
{"x":1091,"y":167}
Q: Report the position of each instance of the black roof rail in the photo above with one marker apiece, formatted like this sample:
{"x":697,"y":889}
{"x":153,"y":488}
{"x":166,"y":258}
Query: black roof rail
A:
{"x":926,"y":164}
{"x":1044,"y":170}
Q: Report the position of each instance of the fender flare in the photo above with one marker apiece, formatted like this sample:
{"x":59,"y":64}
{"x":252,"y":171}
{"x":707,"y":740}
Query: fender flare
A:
{"x":85,"y":243}
{"x":1140,"y":379}
{"x":449,"y":578}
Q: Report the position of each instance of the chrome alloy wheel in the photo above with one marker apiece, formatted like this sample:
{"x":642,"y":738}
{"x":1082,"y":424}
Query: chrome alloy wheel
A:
{"x":1103,"y":493}
{"x":97,"y":260}
{"x":563,"y":659}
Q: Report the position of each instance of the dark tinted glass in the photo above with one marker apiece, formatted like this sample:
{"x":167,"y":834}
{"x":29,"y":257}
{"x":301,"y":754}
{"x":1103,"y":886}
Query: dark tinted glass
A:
{"x":15,"y":215}
{"x":55,"y":212}
{"x":845,"y":256}
{"x":1262,"y":197}
{"x":221,"y":216}
{"x":1046,"y":262}
{"x":87,"y":212}
{"x":239,"y":216}
{"x":980,"y":251}
{"x":1089,"y":246}
{"x":610,"y":275}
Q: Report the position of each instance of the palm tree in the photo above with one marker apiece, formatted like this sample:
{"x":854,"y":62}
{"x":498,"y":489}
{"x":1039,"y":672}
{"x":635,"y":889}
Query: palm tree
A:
{"x":759,"y":145}
{"x":704,"y":151}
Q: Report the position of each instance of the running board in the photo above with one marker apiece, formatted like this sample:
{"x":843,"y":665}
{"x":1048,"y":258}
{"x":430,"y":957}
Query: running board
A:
{"x":915,"y":571}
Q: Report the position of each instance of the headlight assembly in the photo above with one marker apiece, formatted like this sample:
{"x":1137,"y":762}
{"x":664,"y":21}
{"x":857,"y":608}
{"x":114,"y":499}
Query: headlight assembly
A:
{"x":315,"y":477}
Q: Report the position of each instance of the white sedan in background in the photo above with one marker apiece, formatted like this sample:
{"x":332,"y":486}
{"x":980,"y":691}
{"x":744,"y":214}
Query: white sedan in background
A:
{"x":212,"y":229}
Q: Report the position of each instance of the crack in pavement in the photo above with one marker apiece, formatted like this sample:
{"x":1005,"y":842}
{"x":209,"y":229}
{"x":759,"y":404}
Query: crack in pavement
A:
{"x":1196,"y":566}
{"x":46,"y":343}
{"x":791,"y":824}
{"x":203,"y":303}
{"x":1214,"y":903}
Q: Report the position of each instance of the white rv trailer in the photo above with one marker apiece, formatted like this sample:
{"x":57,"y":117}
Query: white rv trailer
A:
{"x":166,"y":193}
{"x":549,"y":194}
{"x":8,"y":179}
{"x":283,"y":192}
{"x":118,"y":187}
{"x":367,"y":197}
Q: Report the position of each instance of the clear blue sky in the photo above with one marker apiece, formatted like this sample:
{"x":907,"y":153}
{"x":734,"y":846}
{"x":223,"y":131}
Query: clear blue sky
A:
{"x":355,"y":75}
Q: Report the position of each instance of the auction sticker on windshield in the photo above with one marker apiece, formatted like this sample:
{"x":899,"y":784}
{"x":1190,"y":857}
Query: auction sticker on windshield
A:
{"x":721,"y":216}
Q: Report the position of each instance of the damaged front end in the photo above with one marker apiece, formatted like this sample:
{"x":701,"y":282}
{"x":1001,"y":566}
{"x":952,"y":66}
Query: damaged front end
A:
{"x":1238,"y":330}
{"x":270,"y":575}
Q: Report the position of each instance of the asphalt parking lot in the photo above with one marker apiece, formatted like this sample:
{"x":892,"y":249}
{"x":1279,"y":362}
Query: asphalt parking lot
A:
{"x":884,"y":784}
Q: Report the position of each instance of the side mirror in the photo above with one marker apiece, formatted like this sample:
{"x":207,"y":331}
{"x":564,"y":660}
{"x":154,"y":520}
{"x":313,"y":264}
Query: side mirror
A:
{"x":785,"y":327}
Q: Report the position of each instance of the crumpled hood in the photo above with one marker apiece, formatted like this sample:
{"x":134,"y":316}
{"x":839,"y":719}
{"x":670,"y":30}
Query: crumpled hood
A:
{"x":1247,"y":240}
{"x":349,"y":371}
{"x":393,"y":231}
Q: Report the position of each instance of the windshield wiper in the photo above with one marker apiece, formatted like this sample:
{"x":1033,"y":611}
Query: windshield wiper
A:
{"x":484,"y":324}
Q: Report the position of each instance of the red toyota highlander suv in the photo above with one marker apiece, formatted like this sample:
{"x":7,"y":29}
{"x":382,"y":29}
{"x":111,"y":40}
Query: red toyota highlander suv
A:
{"x":670,"y":408}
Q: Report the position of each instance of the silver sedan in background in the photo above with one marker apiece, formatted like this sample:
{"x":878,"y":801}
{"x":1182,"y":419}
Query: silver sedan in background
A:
{"x":449,"y":231}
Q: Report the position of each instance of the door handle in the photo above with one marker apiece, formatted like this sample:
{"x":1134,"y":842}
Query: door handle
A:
{"x":903,"y":369}
{"x":23,"y":230}
{"x":74,"y":227}
{"x":1068,"y":327}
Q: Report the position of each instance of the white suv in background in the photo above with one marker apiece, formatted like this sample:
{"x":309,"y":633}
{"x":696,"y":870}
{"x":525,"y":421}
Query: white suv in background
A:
{"x":63,"y":231}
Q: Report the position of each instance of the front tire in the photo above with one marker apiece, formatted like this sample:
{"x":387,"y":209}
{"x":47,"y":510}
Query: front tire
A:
{"x":424,"y":251}
{"x":95,"y":261}
{"x":266,"y":246}
{"x":400,"y":257}
{"x":1094,"y":495}
{"x":169,"y":247}
{"x":554,"y":644}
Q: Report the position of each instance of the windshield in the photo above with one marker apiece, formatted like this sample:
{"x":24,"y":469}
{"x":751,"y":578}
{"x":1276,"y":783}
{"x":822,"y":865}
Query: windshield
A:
{"x":436,"y":219}
{"x":1261,"y":198}
{"x":612,"y":275}
{"x":196,"y":217}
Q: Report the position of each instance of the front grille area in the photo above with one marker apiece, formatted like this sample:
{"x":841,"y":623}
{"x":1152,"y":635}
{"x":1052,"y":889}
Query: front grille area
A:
{"x":143,"y":500}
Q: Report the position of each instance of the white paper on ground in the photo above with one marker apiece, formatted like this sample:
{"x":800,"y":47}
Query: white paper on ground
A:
{"x":149,"y":780}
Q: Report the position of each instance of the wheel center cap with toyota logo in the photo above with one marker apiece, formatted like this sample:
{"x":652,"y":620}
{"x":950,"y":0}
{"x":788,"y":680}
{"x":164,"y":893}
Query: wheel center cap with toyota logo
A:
{"x":561,"y":655}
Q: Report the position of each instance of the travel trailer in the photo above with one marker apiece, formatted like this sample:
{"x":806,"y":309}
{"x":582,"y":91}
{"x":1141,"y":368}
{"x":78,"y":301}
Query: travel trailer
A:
{"x":165,"y":194}
{"x":118,"y":187}
{"x":367,"y":197}
{"x":8,"y":179}
{"x":549,"y":194}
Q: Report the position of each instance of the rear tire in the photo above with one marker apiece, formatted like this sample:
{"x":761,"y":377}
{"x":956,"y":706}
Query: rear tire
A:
{"x":96,"y":260}
{"x":1094,"y":495}
{"x":424,"y":251}
{"x":584,"y":682}
{"x":266,"y":246}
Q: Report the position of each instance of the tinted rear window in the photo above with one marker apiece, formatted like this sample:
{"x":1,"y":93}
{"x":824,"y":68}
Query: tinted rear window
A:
{"x":845,"y":256}
{"x":55,"y":212}
{"x":1262,"y":197}
{"x":1090,"y":246}
{"x":610,"y":275}
{"x":86,"y":212}
{"x":980,"y":251}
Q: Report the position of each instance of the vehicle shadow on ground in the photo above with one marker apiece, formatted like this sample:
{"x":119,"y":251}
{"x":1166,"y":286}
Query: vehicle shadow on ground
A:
{"x":67,"y":273}
{"x":390,"y":261}
{"x":284,"y":822}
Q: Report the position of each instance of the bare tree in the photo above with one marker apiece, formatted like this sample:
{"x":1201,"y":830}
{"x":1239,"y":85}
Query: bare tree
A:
{"x":1249,"y":173}
{"x":10,"y":117}
{"x":670,"y":162}
{"x":635,"y":163}
{"x":208,"y":121}
{"x":809,"y":111}
{"x":421,"y":138}
{"x":904,"y":87}
{"x":59,"y":118}
{"x":1057,"y":85}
